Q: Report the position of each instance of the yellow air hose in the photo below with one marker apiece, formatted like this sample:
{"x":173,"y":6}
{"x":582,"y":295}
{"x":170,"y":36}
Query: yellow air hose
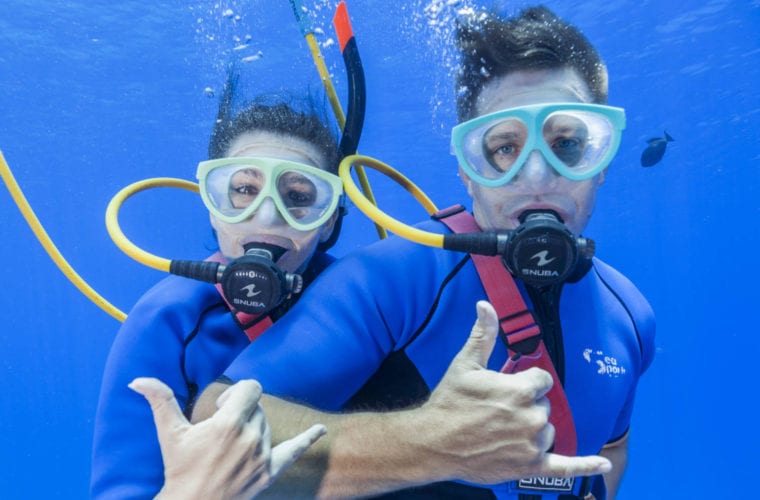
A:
{"x":378,"y":216}
{"x":49,"y":246}
{"x":112,"y":219}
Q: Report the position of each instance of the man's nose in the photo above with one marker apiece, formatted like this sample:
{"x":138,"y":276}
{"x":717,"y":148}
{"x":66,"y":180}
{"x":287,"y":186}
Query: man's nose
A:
{"x":536,"y":170}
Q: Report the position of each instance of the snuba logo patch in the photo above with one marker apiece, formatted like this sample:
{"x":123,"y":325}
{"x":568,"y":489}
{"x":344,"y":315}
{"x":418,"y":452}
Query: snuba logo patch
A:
{"x":562,"y":484}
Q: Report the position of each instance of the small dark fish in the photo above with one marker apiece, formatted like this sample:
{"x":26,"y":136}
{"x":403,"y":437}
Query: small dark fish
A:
{"x":653,"y":153}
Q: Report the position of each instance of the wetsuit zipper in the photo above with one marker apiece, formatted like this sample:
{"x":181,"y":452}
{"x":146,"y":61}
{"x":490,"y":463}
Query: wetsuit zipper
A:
{"x":546,"y":308}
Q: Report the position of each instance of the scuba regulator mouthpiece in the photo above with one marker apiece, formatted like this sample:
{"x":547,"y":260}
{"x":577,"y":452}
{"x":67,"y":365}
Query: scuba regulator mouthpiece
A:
{"x":253,"y":283}
{"x":541,"y":251}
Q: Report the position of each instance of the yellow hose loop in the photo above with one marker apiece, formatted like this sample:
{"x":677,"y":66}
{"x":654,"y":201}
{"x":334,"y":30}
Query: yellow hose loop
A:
{"x":378,"y":216}
{"x":49,"y":246}
{"x":112,"y":219}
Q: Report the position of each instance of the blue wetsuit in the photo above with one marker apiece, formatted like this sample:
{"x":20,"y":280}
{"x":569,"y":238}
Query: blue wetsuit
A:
{"x":381,"y":327}
{"x":183,"y":333}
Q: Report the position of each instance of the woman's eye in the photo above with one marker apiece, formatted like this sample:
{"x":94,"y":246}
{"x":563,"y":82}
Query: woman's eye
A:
{"x":243,"y":195}
{"x":243,"y":187}
{"x":295,"y":198}
{"x":246,"y":190}
{"x":296,"y":190}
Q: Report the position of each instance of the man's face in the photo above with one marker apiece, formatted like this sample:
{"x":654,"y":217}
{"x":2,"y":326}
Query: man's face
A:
{"x":537,"y":186}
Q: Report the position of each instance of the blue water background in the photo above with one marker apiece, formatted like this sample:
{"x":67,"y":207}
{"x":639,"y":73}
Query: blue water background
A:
{"x":96,"y":95}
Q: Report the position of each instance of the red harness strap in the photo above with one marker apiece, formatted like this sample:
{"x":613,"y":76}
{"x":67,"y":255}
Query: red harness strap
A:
{"x":522,"y":334}
{"x":252,"y":324}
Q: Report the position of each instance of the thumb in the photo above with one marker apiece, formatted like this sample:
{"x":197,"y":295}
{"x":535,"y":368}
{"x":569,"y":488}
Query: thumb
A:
{"x":287,"y":452}
{"x":166,"y":412}
{"x":482,"y":338}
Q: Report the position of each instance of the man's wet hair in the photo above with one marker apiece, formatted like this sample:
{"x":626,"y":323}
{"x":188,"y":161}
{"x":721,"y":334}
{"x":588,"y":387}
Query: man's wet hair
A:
{"x":273,"y":114}
{"x":536,"y":39}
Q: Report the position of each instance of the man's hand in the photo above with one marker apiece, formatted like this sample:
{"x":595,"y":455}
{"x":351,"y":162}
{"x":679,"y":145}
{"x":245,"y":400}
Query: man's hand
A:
{"x":226,"y":456}
{"x":494,"y":427}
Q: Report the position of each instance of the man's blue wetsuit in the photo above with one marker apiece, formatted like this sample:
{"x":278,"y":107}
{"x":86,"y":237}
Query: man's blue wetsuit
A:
{"x":183,"y":333}
{"x":382,"y":325}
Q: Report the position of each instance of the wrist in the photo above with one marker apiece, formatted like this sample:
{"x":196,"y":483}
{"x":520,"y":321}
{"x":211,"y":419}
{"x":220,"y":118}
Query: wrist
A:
{"x":181,"y":490}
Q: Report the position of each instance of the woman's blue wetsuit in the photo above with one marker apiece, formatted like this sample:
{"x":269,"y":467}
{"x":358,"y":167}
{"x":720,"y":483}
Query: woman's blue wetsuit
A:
{"x":183,"y":333}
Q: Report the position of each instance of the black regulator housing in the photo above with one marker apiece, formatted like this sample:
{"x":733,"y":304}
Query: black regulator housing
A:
{"x":542,"y":251}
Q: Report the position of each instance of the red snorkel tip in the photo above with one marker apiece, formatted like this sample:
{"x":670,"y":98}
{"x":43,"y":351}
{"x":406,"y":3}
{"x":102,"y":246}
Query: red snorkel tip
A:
{"x":342,"y":24}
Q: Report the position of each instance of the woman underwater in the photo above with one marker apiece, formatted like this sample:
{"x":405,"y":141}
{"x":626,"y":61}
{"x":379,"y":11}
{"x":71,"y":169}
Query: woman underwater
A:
{"x":272,"y":191}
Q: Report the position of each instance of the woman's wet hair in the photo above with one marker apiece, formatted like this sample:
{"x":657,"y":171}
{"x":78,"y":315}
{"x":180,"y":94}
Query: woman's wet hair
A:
{"x":536,"y":39}
{"x":281,"y":116}
{"x":274,"y":114}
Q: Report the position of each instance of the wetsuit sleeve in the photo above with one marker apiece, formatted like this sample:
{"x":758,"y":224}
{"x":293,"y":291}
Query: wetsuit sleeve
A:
{"x":126,"y":455}
{"x":645,"y":327}
{"x":643,"y":324}
{"x":360,"y":310}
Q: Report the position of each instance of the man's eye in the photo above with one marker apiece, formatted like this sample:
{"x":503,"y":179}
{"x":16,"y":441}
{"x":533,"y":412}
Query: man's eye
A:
{"x":505,"y":150}
{"x":567,"y":143}
{"x":502,"y":156}
{"x":569,"y":150}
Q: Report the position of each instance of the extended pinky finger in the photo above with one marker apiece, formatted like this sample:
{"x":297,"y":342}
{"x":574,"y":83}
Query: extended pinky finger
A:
{"x":563,"y":466}
{"x":287,"y":452}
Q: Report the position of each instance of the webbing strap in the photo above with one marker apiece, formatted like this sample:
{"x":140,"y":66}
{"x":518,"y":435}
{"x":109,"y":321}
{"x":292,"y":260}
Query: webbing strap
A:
{"x":519,"y":329}
{"x":252,"y":324}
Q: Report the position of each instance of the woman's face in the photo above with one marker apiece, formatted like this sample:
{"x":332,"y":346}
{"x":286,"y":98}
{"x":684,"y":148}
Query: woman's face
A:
{"x":267,"y":225}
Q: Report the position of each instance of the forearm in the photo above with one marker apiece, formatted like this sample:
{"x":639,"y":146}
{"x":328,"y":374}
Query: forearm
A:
{"x":617,"y":453}
{"x":362,"y":453}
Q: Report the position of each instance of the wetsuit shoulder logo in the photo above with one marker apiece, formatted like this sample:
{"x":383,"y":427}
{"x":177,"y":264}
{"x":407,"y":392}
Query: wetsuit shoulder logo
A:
{"x":605,"y":364}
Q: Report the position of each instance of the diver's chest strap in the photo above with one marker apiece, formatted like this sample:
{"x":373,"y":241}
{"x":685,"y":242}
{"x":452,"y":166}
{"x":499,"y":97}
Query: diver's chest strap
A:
{"x":518,"y":328}
{"x":252,"y":324}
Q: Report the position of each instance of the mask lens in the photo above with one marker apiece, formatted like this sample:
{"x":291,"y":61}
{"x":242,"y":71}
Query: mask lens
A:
{"x":578,"y":140}
{"x":244,"y":186}
{"x":233,"y":188}
{"x":503,"y":143}
{"x":494,"y":150}
{"x":306,"y":197}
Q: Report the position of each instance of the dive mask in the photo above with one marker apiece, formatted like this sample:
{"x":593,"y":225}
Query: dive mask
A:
{"x":233,"y":189}
{"x":578,"y":140}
